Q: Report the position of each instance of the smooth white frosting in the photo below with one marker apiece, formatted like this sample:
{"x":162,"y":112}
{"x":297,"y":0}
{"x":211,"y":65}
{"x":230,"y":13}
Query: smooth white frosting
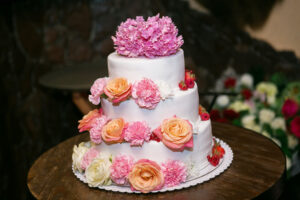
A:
{"x":184,"y":104}
{"x":168,"y":68}
{"x":158,"y":152}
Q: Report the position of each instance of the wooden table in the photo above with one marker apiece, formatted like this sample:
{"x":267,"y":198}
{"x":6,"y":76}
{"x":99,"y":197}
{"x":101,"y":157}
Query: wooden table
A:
{"x":257,"y":171}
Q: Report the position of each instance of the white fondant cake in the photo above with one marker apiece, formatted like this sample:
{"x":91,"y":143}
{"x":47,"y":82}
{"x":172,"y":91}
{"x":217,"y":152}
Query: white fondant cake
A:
{"x":150,"y":132}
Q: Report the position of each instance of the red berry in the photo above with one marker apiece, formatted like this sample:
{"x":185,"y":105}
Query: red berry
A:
{"x":204,"y":116}
{"x":154,"y":137}
{"x":182,"y":85}
{"x":213,"y":160}
{"x":189,"y":83}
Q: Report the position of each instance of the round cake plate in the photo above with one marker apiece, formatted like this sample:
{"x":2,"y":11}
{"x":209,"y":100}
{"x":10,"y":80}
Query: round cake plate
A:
{"x":207,"y":173}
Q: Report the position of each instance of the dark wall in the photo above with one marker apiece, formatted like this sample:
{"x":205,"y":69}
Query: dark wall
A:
{"x":40,"y":36}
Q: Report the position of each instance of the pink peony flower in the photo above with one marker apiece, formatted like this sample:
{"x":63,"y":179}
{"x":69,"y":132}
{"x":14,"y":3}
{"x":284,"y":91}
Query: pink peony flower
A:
{"x":289,"y":108}
{"x":137,"y":132}
{"x":151,"y":38}
{"x":295,"y":126}
{"x":97,"y":90}
{"x":120,"y":168}
{"x":146,"y":93}
{"x":96,"y":131}
{"x":89,"y":157}
{"x":175,"y":172}
{"x":86,"y":123}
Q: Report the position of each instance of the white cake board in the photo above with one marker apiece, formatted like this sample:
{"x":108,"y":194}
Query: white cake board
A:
{"x":207,"y":173}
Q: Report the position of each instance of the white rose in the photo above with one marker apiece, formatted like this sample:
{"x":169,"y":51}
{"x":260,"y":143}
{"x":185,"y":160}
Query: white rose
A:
{"x":248,"y":120}
{"x":222,"y":100}
{"x":266,"y":116}
{"x":98,"y":172}
{"x":278,"y":123}
{"x":292,"y":141}
{"x":238,"y":106}
{"x":254,"y":127}
{"x":78,"y":153}
{"x":164,"y":89}
{"x":247,"y":80}
{"x":288,"y":163}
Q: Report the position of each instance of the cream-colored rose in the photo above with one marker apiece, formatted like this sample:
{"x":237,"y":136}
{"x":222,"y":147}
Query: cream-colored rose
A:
{"x":222,"y":100}
{"x":248,"y":120}
{"x":254,"y":127}
{"x":112,"y":132}
{"x":266,"y":116}
{"x":292,"y":141}
{"x":146,"y":176}
{"x":278,"y":123}
{"x":98,"y":172}
{"x":288,"y":163}
{"x":78,"y":153}
{"x":238,"y":106}
{"x":267,"y":88}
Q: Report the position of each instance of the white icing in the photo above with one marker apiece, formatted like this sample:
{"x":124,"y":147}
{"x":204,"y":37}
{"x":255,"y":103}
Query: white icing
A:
{"x":168,"y":68}
{"x":158,"y":152}
{"x":164,"y":89}
{"x":184,"y":104}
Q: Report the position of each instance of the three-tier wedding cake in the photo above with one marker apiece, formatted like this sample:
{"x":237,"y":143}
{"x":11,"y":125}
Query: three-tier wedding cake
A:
{"x":150,"y":132}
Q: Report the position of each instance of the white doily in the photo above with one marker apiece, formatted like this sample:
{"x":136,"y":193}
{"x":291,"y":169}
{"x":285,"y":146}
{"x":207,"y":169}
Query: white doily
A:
{"x":206,"y":174}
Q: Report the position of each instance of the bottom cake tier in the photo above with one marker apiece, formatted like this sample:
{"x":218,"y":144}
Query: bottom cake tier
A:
{"x":194,"y":176}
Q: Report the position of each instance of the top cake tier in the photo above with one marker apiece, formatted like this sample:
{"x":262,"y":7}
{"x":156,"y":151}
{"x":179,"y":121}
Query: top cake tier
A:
{"x":168,"y":68}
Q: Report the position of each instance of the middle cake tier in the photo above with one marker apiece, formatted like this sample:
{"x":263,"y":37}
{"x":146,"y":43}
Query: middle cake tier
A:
{"x":183,"y":104}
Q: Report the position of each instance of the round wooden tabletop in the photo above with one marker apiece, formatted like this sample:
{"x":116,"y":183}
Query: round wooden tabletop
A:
{"x":257,"y":171}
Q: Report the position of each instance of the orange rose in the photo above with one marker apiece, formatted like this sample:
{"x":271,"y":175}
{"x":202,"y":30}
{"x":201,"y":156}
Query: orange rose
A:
{"x":146,"y":176}
{"x":112,"y":132}
{"x":117,"y":89}
{"x":175,"y":133}
{"x":86,"y":123}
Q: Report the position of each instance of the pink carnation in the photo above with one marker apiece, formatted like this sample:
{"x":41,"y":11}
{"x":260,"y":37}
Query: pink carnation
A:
{"x":97,"y":90}
{"x":175,"y":172}
{"x":146,"y":93}
{"x":120,"y":168}
{"x":88,"y":157}
{"x":96,"y":131}
{"x":152,"y":38}
{"x":137,"y":132}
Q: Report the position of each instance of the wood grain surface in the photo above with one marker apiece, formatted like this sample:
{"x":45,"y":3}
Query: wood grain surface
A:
{"x":257,"y":171}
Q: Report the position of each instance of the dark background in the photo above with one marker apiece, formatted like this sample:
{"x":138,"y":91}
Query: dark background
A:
{"x":37,"y":37}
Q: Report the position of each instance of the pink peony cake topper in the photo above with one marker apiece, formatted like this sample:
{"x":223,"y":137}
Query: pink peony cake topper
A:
{"x":152,"y":38}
